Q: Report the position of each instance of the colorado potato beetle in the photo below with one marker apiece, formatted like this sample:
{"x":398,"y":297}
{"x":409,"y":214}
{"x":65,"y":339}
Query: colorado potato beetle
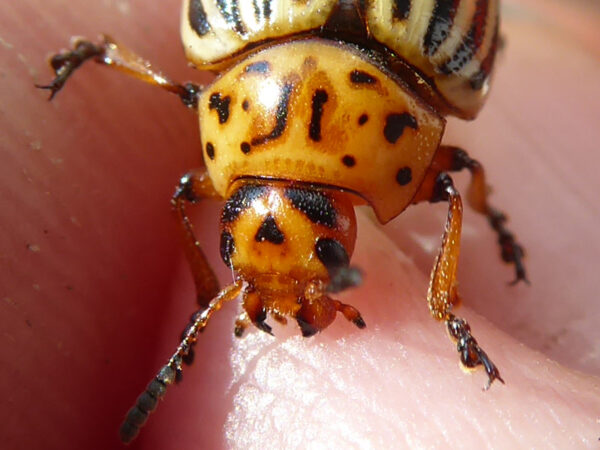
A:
{"x":318,"y":106}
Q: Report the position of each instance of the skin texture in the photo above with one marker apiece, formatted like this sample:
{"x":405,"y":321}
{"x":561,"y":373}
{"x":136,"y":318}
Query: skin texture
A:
{"x":94,"y":289}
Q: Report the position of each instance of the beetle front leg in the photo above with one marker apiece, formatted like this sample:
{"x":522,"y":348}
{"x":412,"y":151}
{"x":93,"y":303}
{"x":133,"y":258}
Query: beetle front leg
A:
{"x":443,"y":292}
{"x":171,"y":372}
{"x":193,"y":187}
{"x":109,"y":53}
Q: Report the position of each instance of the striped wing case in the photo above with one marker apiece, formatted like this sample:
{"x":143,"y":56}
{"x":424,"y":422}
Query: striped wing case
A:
{"x":215,"y":30}
{"x":450,"y":43}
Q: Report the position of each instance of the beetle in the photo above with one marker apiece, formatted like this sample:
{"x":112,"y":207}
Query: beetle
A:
{"x":319,"y":106}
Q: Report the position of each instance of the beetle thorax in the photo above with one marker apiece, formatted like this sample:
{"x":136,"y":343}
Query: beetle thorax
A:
{"x":319,"y":112}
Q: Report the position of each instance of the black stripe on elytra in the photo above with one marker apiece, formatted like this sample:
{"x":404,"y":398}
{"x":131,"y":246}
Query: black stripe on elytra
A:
{"x":470,"y":43}
{"x":440,"y":23}
{"x":485,"y":68}
{"x":314,"y":204}
{"x":263,"y":12}
{"x":401,"y":9}
{"x":280,"y":116}
{"x":258,"y":67}
{"x":241,"y":200}
{"x":197,"y":17}
{"x":360,"y":77}
{"x":267,"y":9}
{"x":230,"y":11}
{"x":395,"y":125}
{"x":268,"y":231}
{"x":332,"y":254}
{"x":221,"y":105}
{"x":319,"y":98}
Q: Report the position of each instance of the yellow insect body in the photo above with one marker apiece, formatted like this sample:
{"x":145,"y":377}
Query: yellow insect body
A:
{"x":371,"y":137}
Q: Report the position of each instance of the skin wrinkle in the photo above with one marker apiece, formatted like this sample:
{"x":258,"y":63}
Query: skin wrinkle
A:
{"x":311,"y":357}
{"x":535,"y":151}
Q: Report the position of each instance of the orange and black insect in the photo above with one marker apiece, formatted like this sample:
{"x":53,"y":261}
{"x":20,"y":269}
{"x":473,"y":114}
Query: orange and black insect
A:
{"x":318,"y":106}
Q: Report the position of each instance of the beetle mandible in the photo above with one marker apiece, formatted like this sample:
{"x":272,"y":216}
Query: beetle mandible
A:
{"x":319,"y":106}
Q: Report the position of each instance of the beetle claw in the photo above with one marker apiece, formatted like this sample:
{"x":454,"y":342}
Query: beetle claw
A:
{"x":471,"y":354}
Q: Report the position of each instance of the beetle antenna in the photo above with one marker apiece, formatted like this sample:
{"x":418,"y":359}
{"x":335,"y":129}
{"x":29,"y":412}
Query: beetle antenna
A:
{"x":171,"y":372}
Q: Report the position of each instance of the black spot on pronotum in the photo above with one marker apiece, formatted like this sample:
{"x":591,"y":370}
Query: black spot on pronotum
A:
{"x":269,"y":231}
{"x":319,"y":98}
{"x":404,"y":176}
{"x":314,"y":204}
{"x":245,"y":147}
{"x":349,"y":161}
{"x":245,"y":105}
{"x":210,"y":150}
{"x":241,"y":200}
{"x":363,"y":119}
{"x":332,"y":254}
{"x":360,"y":77}
{"x":221,"y":105}
{"x":197,"y":17}
{"x":395,"y":125}
{"x":400,"y":9}
{"x":280,"y":116}
{"x":258,"y":67}
{"x":227,"y":247}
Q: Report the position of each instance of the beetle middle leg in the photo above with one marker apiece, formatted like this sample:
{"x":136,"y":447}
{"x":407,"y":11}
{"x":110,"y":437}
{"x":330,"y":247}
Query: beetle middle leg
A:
{"x":112,"y":54}
{"x":443,"y":286}
{"x":193,"y":187}
{"x":450,"y":158}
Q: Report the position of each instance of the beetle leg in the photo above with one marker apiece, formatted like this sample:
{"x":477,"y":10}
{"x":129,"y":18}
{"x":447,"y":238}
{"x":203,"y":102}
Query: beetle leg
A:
{"x":443,"y":287}
{"x":193,"y":187}
{"x":171,"y":372}
{"x":449,"y":158}
{"x":110,"y":53}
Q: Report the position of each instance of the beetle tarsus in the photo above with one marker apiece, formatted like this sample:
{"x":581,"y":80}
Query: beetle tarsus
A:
{"x":511,"y":251}
{"x":65,"y":63}
{"x":471,"y":355}
{"x":189,"y":95}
